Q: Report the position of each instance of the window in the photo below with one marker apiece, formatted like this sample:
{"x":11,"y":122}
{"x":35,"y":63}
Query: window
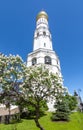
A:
{"x":57,"y":62}
{"x":37,"y":34}
{"x":44,"y":44}
{"x":34,"y":61}
{"x":44,"y":33}
{"x":47,"y":60}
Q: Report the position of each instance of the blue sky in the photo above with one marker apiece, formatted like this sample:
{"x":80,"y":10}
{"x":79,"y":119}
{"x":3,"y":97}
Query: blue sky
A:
{"x":17,"y":25}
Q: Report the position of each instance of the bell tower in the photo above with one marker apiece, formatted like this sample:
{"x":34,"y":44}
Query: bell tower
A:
{"x":42,"y":35}
{"x":43,"y":53}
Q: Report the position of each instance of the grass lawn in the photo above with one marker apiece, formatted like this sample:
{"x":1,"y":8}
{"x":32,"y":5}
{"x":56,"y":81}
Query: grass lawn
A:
{"x":76,"y":123}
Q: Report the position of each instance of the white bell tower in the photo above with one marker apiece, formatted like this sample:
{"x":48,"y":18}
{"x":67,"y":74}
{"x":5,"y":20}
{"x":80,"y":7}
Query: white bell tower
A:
{"x":43,"y":53}
{"x":42,"y":46}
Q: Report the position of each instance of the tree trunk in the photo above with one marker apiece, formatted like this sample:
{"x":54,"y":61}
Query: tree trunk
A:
{"x":38,"y":124}
{"x":36,"y":119}
{"x":9,"y":115}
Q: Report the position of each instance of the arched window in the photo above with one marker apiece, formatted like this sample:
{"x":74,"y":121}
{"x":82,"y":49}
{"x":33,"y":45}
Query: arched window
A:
{"x":37,"y":34}
{"x":44,"y":33}
{"x":47,"y":60}
{"x":34,"y":61}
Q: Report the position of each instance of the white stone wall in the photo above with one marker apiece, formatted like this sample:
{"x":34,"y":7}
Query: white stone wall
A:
{"x":42,"y":42}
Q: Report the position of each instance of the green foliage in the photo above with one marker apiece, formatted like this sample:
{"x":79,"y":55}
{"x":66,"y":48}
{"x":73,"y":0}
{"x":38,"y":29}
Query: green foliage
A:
{"x":72,"y":101}
{"x":29,"y":111}
{"x":62,"y":111}
{"x":15,"y":118}
{"x":64,"y":104}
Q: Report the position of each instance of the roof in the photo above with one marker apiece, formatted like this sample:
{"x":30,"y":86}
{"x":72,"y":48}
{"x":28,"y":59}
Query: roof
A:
{"x":5,"y":111}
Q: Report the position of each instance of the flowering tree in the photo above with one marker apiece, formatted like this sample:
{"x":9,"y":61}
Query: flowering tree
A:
{"x":38,"y":87}
{"x":3,"y":61}
{"x":28,"y":86}
{"x":11,"y":76}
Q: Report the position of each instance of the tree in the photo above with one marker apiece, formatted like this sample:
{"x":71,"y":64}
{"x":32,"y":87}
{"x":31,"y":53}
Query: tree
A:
{"x":29,"y":111}
{"x":64,"y":104}
{"x":62,"y":111}
{"x":79,"y":101}
{"x":12,"y":68}
{"x":72,"y":101}
{"x":39,"y":86}
{"x":27,"y":86}
{"x":3,"y":61}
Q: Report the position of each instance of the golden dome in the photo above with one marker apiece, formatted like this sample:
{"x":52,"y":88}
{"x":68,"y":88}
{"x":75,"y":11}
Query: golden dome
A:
{"x":42,"y":14}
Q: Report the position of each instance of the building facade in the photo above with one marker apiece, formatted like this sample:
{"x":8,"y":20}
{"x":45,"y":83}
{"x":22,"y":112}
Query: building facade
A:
{"x":43,"y":53}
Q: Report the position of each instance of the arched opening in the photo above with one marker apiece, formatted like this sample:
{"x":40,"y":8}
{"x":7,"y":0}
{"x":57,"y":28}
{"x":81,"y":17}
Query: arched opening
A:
{"x":47,"y":60}
{"x":44,"y":33}
{"x":34,"y":61}
{"x":37,"y":34}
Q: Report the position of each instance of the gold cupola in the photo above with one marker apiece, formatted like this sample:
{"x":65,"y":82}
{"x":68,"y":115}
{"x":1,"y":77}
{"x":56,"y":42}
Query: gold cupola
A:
{"x":42,"y":14}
